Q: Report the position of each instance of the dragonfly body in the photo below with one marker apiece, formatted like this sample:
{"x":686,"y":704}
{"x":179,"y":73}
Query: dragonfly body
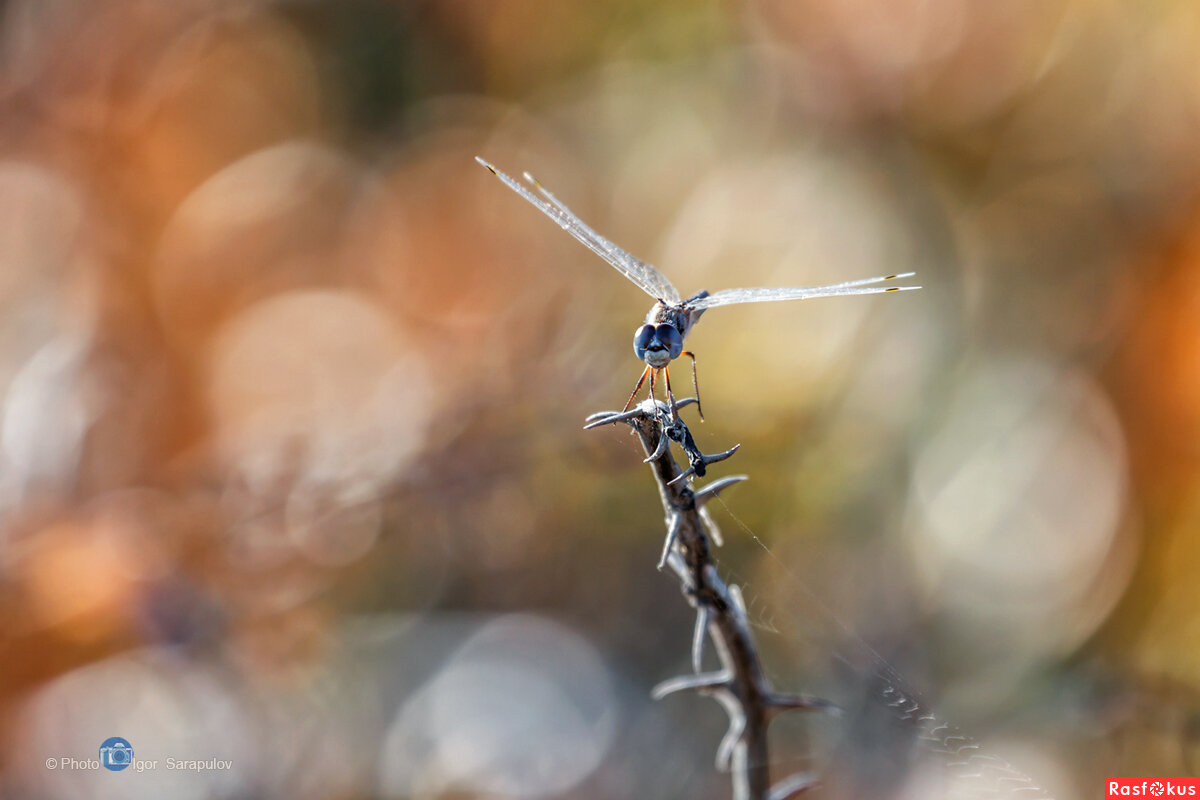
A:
{"x":659,"y":341}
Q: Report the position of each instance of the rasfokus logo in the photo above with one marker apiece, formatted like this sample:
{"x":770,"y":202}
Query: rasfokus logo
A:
{"x":1151,"y":787}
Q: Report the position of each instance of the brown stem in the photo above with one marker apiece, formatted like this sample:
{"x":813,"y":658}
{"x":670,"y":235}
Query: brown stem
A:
{"x":739,"y":685}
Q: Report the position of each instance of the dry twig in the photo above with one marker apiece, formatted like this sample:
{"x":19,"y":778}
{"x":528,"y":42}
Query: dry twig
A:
{"x":739,"y":685}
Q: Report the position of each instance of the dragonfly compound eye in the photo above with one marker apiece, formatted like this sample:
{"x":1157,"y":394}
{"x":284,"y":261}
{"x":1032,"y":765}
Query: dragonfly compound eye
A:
{"x":641,"y":340}
{"x":669,"y":336}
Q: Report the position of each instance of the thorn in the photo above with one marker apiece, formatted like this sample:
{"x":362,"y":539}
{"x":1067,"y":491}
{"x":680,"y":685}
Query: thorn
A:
{"x":793,"y":786}
{"x":672,"y":534}
{"x":486,"y":164}
{"x":722,"y":456}
{"x":715,"y":488}
{"x":677,"y":563}
{"x":733,"y":736}
{"x":704,"y":682}
{"x":689,"y":472}
{"x":663,"y":443}
{"x":597,"y":420}
{"x":700,"y":461}
{"x":699,"y":635}
{"x":714,"y":530}
{"x":735,"y":592}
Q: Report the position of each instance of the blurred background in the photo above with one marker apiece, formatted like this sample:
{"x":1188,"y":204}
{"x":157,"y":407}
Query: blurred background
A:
{"x":291,"y":390}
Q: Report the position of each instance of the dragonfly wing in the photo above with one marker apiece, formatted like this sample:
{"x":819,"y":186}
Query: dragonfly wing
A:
{"x":728,"y":297}
{"x":649,"y":279}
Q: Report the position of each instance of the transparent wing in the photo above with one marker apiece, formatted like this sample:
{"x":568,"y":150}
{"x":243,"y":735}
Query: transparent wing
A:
{"x":651,"y":281}
{"x":728,"y":297}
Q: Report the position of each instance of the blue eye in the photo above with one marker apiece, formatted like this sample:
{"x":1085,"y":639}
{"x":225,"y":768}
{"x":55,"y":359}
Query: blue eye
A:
{"x":669,"y":336}
{"x":641,"y":340}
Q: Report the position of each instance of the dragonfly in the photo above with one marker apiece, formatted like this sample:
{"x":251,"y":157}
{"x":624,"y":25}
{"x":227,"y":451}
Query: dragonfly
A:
{"x":659,"y":340}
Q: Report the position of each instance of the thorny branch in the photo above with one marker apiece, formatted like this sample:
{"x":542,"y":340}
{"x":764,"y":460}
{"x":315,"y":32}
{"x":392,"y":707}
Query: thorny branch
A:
{"x":739,"y":685}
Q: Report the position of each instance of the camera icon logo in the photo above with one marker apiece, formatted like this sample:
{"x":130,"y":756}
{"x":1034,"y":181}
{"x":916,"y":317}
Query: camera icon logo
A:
{"x":116,"y":753}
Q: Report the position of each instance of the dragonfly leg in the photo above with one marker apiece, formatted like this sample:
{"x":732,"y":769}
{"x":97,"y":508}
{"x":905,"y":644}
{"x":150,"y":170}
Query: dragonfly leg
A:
{"x":641,"y":380}
{"x":695,"y":385}
{"x":670,"y":394}
{"x":653,"y":375}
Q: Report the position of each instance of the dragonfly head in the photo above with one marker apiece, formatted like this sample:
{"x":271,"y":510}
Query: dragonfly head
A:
{"x":657,"y":345}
